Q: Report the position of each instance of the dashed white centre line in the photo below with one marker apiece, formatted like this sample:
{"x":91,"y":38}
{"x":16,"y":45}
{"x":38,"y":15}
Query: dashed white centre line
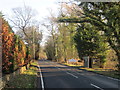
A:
{"x":42,"y":83}
{"x":71,"y":74}
{"x":96,"y":86}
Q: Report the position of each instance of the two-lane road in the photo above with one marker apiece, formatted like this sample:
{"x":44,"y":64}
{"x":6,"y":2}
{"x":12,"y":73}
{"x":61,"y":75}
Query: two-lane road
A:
{"x":54,"y":75}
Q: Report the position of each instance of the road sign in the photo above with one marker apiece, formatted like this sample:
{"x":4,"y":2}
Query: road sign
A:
{"x":86,"y":61}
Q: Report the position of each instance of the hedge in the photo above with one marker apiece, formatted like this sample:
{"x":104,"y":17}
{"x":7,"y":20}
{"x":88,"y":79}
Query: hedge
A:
{"x":15,"y":53}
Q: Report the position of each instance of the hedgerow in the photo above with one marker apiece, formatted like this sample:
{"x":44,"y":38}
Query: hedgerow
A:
{"x":15,"y":53}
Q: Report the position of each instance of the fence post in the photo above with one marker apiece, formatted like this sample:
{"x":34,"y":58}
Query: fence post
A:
{"x":1,"y":83}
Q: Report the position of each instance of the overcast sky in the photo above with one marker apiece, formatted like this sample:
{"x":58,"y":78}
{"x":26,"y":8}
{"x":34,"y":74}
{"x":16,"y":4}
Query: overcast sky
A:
{"x":41,"y":6}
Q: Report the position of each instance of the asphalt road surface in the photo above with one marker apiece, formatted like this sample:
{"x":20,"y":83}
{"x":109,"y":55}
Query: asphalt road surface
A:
{"x":57,"y":76}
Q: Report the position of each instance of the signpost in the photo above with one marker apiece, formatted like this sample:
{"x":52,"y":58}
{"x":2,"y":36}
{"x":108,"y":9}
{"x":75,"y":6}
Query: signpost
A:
{"x":86,"y":61}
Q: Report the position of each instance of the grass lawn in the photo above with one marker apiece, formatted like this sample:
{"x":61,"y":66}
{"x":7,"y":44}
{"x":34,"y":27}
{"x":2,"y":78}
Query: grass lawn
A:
{"x":25,"y":80}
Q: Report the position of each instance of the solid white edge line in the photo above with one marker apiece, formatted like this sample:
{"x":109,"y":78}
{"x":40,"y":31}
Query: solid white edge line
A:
{"x":104,"y":76}
{"x":113,"y":78}
{"x":110,"y":78}
{"x":58,"y":68}
{"x":96,"y":86}
{"x":42,"y":83}
{"x":71,"y":74}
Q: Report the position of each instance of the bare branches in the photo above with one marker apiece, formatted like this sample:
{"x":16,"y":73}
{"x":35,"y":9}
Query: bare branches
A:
{"x":22,"y":18}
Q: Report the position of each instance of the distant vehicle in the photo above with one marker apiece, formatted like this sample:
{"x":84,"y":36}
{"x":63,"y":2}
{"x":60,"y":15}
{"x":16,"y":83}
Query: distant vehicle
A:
{"x":72,"y":60}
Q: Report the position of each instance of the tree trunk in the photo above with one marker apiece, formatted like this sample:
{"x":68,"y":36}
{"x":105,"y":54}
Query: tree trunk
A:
{"x":90,"y":62}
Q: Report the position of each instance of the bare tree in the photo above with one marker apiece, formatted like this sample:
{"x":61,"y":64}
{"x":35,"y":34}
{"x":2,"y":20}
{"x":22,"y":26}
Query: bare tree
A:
{"x":23,"y":17}
{"x":28,"y":28}
{"x":35,"y":38}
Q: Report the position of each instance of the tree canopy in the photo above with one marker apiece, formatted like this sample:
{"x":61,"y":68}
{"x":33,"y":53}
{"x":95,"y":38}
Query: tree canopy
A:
{"x":105,"y":17}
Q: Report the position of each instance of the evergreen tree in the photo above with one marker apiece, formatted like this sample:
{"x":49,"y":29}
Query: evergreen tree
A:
{"x":89,"y":42}
{"x":105,"y":16}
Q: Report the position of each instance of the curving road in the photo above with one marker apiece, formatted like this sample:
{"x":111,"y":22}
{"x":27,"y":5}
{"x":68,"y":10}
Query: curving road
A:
{"x":57,"y":76}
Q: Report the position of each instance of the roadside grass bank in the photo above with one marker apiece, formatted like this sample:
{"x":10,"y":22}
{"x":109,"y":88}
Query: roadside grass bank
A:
{"x":72,"y":65}
{"x":27,"y":79}
{"x":103,"y":71}
{"x":106,"y":72}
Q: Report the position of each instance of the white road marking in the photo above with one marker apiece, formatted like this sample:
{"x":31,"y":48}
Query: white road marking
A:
{"x":103,"y":76}
{"x":71,"y":74}
{"x":113,"y":78}
{"x":110,"y":78}
{"x":96,"y":86}
{"x":58,"y":68}
{"x":42,"y":83}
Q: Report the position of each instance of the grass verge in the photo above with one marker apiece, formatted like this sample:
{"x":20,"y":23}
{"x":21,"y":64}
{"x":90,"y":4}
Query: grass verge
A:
{"x":76,"y":66}
{"x":25,"y":80}
{"x":106,"y":72}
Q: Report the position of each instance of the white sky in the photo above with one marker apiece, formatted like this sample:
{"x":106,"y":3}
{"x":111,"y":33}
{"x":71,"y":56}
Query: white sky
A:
{"x":41,"y":6}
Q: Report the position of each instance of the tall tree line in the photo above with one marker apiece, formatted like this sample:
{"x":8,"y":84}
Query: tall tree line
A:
{"x":60,"y":45}
{"x":23,"y":19}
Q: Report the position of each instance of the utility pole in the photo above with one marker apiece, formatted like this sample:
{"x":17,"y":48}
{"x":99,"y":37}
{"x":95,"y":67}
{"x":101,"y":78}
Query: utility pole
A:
{"x":33,"y":42}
